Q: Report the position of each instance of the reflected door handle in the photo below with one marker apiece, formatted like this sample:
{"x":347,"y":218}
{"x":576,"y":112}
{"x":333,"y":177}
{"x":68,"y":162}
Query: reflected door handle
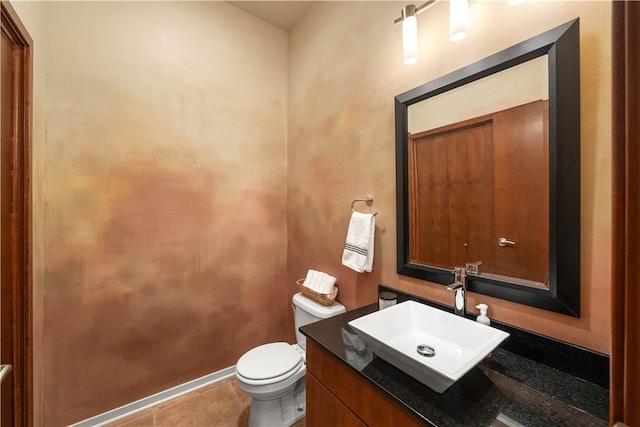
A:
{"x":504,"y":242}
{"x":4,"y":370}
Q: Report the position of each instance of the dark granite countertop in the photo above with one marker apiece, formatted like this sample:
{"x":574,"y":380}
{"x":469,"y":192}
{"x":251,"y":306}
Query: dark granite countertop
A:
{"x":508,"y":389}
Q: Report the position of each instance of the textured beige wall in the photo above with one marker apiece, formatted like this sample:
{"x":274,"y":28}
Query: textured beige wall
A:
{"x":160,"y":204}
{"x":345,"y":63}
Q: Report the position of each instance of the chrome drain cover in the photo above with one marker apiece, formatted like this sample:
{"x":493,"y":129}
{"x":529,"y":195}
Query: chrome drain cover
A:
{"x":426,"y":350}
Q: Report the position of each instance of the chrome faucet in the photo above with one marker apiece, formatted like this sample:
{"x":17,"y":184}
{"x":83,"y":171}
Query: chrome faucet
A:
{"x":458,"y":287}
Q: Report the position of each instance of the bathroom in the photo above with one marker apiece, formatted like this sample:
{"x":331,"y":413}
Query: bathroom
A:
{"x":190,"y":162}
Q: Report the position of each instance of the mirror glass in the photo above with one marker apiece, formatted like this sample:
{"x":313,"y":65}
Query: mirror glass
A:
{"x":483,"y":148}
{"x":488,"y":174}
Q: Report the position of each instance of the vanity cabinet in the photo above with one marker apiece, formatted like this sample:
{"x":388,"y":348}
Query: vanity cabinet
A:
{"x":343,"y":389}
{"x":338,"y":396}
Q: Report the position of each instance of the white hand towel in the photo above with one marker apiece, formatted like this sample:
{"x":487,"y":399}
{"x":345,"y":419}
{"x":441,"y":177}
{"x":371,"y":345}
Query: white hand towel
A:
{"x":319,"y":282}
{"x":315,"y":279}
{"x":316,"y":285}
{"x":358,"y":250}
{"x":312,"y":279}
{"x":326,"y":283}
{"x":308,"y":279}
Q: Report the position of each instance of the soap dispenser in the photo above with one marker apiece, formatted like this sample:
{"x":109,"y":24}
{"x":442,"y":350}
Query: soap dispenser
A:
{"x":482,"y":318}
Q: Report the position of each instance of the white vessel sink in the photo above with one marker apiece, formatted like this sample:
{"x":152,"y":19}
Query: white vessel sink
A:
{"x":395,"y":333}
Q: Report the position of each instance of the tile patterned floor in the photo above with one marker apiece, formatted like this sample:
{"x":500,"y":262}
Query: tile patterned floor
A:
{"x":219,"y":405}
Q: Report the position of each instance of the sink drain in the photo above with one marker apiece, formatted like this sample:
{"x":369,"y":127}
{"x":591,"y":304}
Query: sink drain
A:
{"x":426,"y":350}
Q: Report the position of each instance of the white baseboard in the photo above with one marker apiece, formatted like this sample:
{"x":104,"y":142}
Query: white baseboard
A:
{"x":151,"y":401}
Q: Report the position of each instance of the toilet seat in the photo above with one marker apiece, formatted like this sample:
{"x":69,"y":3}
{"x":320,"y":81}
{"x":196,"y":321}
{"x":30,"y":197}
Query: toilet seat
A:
{"x":269,"y":363}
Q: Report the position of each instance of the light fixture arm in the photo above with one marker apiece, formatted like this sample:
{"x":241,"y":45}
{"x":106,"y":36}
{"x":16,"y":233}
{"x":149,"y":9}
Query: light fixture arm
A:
{"x":418,"y":10}
{"x":430,"y":2}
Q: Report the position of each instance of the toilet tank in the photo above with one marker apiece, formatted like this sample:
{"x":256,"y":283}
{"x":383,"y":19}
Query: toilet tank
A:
{"x":308,"y":311}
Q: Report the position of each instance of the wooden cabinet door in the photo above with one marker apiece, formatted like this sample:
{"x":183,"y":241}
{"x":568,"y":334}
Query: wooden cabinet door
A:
{"x":323,"y":409}
{"x":365,"y":401}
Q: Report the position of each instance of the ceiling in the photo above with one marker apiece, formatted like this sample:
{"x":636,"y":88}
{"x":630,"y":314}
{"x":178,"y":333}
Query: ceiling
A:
{"x":282,"y":14}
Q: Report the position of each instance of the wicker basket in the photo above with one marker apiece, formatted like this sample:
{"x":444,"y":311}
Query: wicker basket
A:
{"x":320,"y":298}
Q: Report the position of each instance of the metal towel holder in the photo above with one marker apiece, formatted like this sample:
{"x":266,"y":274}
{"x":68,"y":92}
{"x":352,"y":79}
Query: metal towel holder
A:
{"x":368,"y":200}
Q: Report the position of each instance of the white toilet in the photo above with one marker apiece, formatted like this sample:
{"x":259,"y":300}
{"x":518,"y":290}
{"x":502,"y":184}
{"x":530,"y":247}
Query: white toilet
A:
{"x":273,"y":374}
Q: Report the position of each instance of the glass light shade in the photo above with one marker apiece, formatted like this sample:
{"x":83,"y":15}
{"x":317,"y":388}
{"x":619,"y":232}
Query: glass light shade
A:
{"x":458,"y":17}
{"x":410,"y":39}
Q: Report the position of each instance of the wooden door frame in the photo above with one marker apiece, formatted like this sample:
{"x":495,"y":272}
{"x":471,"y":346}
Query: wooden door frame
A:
{"x":18,"y":259}
{"x":625,"y":294}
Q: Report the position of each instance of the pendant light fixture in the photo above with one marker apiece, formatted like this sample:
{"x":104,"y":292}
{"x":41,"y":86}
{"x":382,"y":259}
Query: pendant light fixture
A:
{"x":458,"y":20}
{"x":458,"y":17}
{"x":409,"y":34}
{"x":408,"y":17}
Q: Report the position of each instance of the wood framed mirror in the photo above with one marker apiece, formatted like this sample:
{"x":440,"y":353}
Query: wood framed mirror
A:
{"x":488,"y":170}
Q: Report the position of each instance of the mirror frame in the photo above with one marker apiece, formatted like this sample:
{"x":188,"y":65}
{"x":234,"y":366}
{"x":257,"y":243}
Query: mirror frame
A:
{"x":562,"y":44}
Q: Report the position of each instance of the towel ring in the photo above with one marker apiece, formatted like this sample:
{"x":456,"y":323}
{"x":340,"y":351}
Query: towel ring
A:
{"x":368,"y":200}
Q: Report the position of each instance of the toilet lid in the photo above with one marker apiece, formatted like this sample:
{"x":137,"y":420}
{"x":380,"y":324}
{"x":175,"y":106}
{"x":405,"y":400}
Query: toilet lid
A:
{"x":269,"y":361}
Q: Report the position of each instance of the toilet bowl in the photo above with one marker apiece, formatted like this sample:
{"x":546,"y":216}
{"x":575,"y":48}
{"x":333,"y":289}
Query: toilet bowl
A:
{"x":273,"y":374}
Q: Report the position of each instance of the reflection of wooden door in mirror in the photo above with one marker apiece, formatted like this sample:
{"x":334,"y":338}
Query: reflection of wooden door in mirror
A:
{"x":450,"y":193}
{"x":521,"y":192}
{"x":475,"y":181}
